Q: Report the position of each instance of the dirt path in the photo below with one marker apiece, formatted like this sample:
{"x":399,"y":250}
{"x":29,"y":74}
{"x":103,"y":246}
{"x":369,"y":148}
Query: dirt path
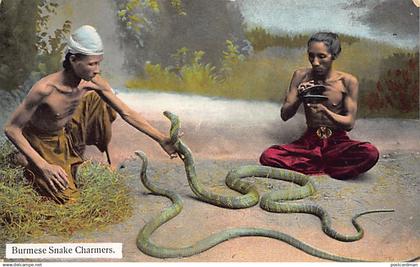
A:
{"x":223,"y":129}
{"x":224,"y":134}
{"x":393,"y":183}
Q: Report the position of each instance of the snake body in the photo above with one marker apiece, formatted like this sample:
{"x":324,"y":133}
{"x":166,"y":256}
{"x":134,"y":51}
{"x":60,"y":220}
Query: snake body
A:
{"x":273,"y":202}
{"x":147,"y":246}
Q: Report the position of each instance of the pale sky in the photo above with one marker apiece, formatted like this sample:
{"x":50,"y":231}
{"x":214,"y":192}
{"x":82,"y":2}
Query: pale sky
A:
{"x":297,"y":16}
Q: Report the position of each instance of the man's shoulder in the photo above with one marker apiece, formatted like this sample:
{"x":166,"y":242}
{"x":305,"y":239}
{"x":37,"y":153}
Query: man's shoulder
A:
{"x":302,"y":72}
{"x":45,"y":86}
{"x":347,"y":78}
{"x":301,"y":75}
{"x":350,"y":82}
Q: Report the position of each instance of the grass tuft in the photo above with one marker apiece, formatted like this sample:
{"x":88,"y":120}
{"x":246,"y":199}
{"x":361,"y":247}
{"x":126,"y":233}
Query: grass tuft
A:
{"x":24,"y":214}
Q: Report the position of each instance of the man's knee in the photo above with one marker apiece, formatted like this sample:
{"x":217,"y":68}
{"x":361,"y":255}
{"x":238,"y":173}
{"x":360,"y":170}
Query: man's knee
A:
{"x":367,"y":158}
{"x":264,"y":158}
{"x":19,"y":159}
{"x":371,"y":154}
{"x":269,"y":156}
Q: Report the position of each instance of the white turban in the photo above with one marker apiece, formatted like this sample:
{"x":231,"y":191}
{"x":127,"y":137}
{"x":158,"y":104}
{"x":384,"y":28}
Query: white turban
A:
{"x":86,"y":41}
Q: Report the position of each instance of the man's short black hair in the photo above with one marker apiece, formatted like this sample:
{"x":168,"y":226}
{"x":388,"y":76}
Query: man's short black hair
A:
{"x":66,"y":61}
{"x":330,"y":40}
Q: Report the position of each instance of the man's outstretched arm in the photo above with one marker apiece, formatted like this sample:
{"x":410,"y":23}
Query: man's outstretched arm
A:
{"x":102,"y":87}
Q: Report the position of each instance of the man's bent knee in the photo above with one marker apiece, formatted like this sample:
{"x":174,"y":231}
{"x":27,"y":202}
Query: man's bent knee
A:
{"x":372,"y":153}
{"x":19,"y":159}
{"x":269,"y":158}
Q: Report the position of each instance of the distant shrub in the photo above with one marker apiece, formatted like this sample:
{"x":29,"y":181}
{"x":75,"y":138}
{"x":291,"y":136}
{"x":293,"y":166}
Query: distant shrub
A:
{"x":197,"y":76}
{"x":238,"y":76}
{"x":188,"y":75}
{"x":261,"y":39}
{"x":397,"y":90}
{"x":231,"y":58}
{"x":266,"y":75}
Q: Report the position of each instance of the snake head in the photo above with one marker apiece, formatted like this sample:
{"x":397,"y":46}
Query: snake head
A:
{"x":175,"y":126}
{"x":141,"y":155}
{"x":143,"y":158}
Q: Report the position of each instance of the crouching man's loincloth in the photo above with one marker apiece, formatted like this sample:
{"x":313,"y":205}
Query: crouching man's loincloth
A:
{"x":90,"y":125}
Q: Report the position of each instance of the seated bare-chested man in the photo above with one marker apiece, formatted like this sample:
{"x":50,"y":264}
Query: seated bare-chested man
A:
{"x":330,"y":112}
{"x":67,"y":110}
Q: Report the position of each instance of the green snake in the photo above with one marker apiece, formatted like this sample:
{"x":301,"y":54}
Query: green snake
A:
{"x":273,"y":202}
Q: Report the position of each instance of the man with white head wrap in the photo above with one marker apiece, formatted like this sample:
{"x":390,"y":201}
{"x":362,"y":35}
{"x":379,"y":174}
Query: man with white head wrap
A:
{"x":67,"y":110}
{"x":86,"y":41}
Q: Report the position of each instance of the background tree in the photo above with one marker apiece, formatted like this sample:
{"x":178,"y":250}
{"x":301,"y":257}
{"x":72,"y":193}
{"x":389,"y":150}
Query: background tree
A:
{"x":25,"y":45}
{"x":153,"y":30}
{"x":17,"y":43}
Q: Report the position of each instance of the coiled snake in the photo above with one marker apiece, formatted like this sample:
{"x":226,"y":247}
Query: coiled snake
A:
{"x":272,"y":202}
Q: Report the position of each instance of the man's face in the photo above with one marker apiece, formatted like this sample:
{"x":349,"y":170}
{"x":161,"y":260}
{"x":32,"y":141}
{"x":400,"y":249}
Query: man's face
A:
{"x":87,"y":67}
{"x":320,"y":58}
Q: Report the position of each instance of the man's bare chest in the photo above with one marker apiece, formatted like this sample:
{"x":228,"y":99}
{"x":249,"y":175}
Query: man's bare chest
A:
{"x":59,"y":107}
{"x":335,"y":93}
{"x":64,"y":104}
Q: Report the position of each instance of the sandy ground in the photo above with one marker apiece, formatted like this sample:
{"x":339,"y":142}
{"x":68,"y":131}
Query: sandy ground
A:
{"x":224,"y":134}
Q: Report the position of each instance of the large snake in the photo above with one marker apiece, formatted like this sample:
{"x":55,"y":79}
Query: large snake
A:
{"x":271,"y":202}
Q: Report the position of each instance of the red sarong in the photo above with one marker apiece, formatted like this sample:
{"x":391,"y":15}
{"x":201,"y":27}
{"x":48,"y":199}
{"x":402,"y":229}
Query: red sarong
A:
{"x":338,"y":155}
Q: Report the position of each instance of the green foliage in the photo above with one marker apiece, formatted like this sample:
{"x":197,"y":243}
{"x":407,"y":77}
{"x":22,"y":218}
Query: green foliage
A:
{"x":263,"y":77}
{"x":197,"y":76}
{"x":105,"y":199}
{"x":17,"y":42}
{"x":261,"y":39}
{"x":188,"y":75}
{"x":156,"y":77}
{"x":50,"y":50}
{"x":27,"y":47}
{"x":44,"y":9}
{"x":49,"y":47}
{"x":133,"y":13}
{"x":238,"y":77}
{"x":177,"y":4}
{"x":231,"y":57}
{"x":9,"y":173}
{"x":128,"y":16}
